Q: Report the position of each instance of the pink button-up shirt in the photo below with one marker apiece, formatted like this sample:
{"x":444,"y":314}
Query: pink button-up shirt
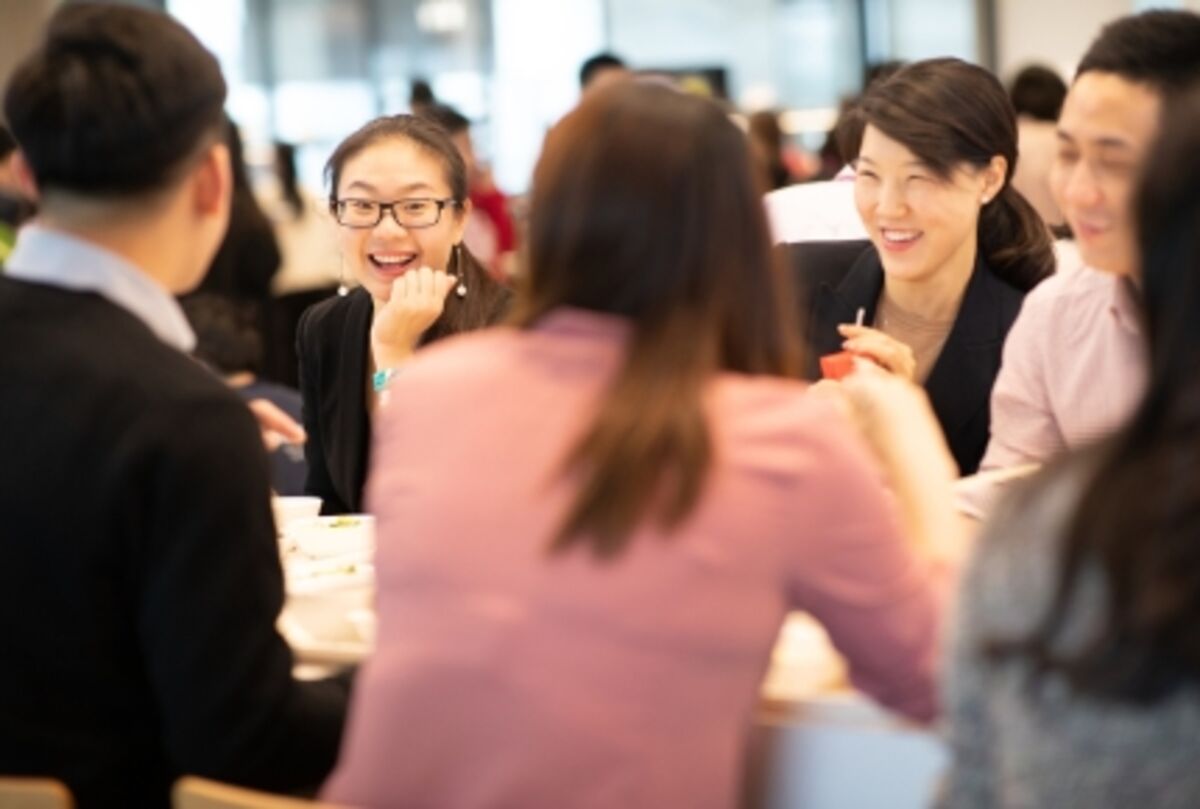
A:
{"x":1073,"y":368}
{"x":507,"y":677}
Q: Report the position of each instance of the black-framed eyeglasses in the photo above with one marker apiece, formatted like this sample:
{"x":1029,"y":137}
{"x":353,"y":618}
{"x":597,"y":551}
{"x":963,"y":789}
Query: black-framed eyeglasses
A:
{"x":414,"y":212}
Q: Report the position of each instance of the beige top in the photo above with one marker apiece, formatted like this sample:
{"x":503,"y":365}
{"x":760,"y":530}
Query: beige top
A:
{"x":1038,"y":143}
{"x":924,"y":336}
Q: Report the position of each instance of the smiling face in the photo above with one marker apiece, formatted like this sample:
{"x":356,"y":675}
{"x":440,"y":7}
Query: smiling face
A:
{"x":389,"y":170}
{"x":1107,"y":125}
{"x":920,"y":223}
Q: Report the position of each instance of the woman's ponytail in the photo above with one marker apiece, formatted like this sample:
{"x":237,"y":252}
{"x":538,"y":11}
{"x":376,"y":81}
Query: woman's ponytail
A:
{"x":1014,"y":240}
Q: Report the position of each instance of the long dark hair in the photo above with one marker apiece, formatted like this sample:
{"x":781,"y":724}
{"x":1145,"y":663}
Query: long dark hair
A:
{"x":676,"y":241}
{"x":486,"y":301}
{"x":1138,"y":521}
{"x":289,"y":182}
{"x":949,"y":113}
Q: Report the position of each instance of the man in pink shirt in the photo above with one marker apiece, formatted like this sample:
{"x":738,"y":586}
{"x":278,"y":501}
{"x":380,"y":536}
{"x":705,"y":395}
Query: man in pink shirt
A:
{"x":1073,"y":365}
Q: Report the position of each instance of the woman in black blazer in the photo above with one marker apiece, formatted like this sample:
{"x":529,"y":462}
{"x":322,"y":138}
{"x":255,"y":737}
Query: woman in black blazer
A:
{"x":398,"y":189}
{"x":953,"y":247}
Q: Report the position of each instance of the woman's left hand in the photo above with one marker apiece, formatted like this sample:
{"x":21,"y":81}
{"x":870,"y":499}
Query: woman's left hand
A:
{"x":886,"y":352}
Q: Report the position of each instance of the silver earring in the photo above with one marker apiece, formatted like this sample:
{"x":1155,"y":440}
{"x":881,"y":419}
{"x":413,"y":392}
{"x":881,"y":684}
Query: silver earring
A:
{"x":461,"y":290}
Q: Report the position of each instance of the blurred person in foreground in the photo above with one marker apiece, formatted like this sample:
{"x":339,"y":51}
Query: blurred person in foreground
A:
{"x":601,"y":70}
{"x":398,"y":190}
{"x":16,"y":208}
{"x":140,"y":582}
{"x":1037,"y":94}
{"x":1074,"y":365}
{"x":590,"y":625}
{"x":1075,"y":663}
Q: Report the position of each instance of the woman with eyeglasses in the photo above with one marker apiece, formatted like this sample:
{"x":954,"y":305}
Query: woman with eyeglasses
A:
{"x":398,"y":190}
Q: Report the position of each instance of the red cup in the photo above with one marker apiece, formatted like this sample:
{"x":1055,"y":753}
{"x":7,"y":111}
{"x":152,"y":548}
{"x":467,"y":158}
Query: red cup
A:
{"x":836,"y":366}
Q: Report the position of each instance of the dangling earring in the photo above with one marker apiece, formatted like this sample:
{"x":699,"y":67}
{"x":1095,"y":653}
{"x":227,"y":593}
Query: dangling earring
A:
{"x":342,"y":289}
{"x":461,"y":290}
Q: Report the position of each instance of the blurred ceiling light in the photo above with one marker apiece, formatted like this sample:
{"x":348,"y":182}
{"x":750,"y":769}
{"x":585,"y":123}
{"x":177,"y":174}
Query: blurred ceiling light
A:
{"x":761,"y":96}
{"x":442,"y":16}
{"x":822,"y":119}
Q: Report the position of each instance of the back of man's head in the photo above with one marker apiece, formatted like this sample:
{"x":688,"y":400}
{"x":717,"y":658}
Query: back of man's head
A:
{"x":446,"y":117}
{"x":1157,"y":48}
{"x":114,"y":102}
{"x":1038,"y":92}
{"x":595,"y":65}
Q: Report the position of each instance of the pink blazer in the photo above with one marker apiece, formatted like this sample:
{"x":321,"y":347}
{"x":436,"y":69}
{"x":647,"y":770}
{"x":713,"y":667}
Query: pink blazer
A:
{"x":507,"y":677}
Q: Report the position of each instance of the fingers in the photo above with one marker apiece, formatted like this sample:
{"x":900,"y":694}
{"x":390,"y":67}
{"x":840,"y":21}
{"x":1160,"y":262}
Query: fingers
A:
{"x":416,"y":302}
{"x":423,"y":286}
{"x":277,"y":426}
{"x":873,"y":344}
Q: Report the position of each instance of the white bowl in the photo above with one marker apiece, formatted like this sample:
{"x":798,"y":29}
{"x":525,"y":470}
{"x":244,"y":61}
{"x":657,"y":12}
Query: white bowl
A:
{"x":329,"y":613}
{"x":318,"y":537}
{"x":289,"y":509}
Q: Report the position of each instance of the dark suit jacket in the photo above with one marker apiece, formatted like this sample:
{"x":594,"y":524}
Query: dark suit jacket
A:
{"x":334,"y":343}
{"x":834,"y":279}
{"x":139,"y":572}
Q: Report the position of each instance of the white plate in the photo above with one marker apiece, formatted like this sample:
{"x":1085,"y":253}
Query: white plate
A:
{"x":318,"y":537}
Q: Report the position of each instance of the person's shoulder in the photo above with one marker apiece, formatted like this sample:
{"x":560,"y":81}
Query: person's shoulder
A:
{"x":817,"y":263}
{"x":1005,"y":296}
{"x":338,"y":306}
{"x":1016,"y":558}
{"x":484,"y":352}
{"x":1075,"y":280}
{"x":128,"y":370}
{"x":334,"y":311}
{"x":779,"y":418}
{"x":1067,"y":306}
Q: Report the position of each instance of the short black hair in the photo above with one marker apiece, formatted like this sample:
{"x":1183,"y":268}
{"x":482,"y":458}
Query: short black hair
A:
{"x":1038,"y":91}
{"x":597,"y":63}
{"x":420,"y":93}
{"x":114,"y":101}
{"x":1158,"y":48}
{"x":445,"y":116}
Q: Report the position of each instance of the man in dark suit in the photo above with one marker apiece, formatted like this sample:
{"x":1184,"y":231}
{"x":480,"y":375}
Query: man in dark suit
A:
{"x":139,"y":576}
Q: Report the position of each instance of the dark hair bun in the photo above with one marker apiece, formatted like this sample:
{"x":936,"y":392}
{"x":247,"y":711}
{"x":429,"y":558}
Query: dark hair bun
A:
{"x":114,"y":100}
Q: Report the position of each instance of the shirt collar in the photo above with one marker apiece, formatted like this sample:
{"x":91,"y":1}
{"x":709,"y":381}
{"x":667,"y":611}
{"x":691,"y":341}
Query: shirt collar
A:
{"x":1125,"y":304}
{"x":54,"y":258}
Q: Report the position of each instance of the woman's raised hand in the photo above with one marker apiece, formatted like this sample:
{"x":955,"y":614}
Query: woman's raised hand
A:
{"x":417,"y":300}
{"x":886,"y":352}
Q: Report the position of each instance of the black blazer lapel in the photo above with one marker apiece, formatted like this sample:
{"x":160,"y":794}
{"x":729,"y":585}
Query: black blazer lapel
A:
{"x":960,"y":383}
{"x":350,"y":444}
{"x":859,"y":288}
